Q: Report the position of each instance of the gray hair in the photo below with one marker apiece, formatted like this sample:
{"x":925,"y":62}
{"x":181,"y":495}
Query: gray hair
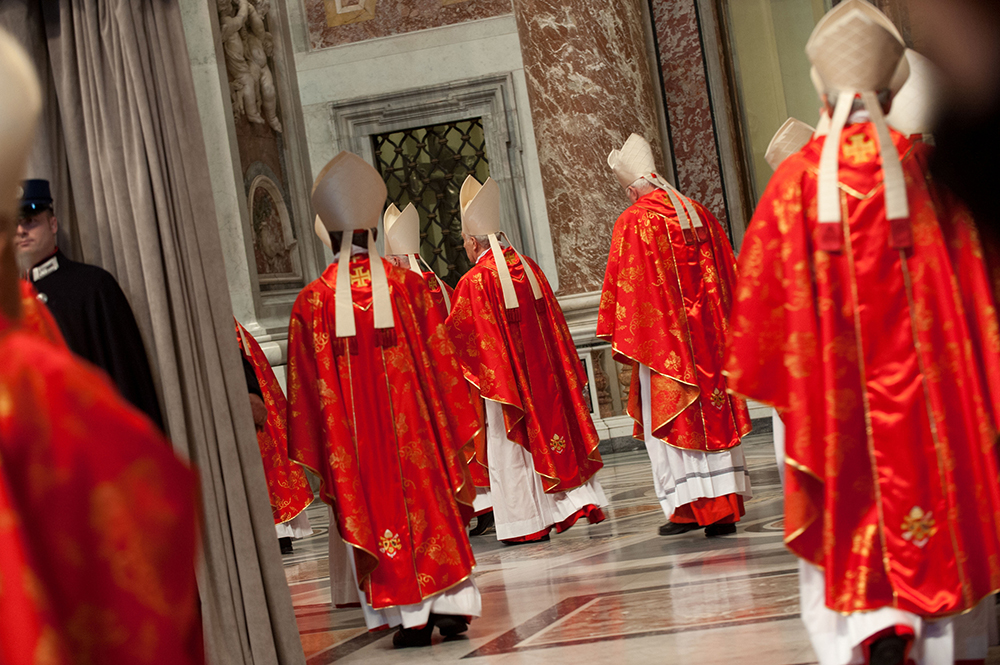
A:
{"x":485,"y":240}
{"x":643,"y":186}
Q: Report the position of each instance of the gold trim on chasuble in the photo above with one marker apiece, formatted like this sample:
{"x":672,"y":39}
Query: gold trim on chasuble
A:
{"x":862,"y":371}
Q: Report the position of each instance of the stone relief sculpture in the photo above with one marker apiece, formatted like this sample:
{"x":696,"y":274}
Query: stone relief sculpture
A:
{"x":247,"y":45}
{"x":273,"y":238}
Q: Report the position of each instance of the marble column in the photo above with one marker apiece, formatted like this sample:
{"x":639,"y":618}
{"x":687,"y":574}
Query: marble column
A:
{"x":589,"y":86}
{"x":689,"y":110}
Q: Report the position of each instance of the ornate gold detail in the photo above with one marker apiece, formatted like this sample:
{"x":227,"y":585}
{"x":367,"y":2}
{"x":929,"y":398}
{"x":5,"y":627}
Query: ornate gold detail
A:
{"x":918,"y":526}
{"x":860,"y":149}
{"x":360,"y":276}
{"x":557,"y":444}
{"x":718,"y":398}
{"x":390,"y":544}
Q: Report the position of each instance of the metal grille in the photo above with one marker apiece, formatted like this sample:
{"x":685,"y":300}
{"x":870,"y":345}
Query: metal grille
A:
{"x":427,"y":166}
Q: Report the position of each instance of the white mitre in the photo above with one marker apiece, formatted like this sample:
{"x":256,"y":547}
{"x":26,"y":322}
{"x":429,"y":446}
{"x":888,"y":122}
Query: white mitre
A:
{"x":20,"y":106}
{"x":635,"y":161}
{"x":856,"y":50}
{"x":915,"y":106}
{"x":788,"y":140}
{"x":347,"y":196}
{"x":480,"y":205}
{"x":402,"y":238}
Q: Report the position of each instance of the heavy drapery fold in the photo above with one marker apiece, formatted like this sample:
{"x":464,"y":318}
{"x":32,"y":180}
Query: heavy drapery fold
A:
{"x":128,"y":135}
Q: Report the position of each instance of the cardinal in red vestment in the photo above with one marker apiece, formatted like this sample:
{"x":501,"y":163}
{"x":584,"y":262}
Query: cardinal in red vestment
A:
{"x":108,"y":576}
{"x":287,"y":485}
{"x":402,"y":248}
{"x":379,"y":409}
{"x":516,"y":351}
{"x":864,"y":315}
{"x":664,"y":308}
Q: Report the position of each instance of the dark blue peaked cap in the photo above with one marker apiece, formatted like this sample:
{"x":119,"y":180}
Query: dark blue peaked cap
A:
{"x":35,"y":196}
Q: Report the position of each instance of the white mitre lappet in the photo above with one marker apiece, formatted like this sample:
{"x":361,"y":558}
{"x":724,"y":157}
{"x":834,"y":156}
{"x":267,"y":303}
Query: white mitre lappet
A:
{"x":480,"y":204}
{"x":915,"y":106}
{"x":20,"y":105}
{"x":402,"y":237}
{"x":788,"y":140}
{"x":347,"y":196}
{"x":635,"y":161}
{"x":855,"y":50}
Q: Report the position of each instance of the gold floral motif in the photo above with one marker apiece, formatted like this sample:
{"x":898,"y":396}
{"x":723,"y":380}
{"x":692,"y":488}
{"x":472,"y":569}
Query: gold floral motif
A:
{"x":557,"y":444}
{"x":390,"y":544}
{"x":320,"y":340}
{"x":918,"y":526}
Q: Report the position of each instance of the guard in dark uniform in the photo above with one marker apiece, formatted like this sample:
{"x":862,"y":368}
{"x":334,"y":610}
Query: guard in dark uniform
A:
{"x":86,"y":301}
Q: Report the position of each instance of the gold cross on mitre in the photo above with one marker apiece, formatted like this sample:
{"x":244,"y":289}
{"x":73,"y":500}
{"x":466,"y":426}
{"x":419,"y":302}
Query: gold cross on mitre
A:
{"x":361,"y":276}
{"x":860,"y":149}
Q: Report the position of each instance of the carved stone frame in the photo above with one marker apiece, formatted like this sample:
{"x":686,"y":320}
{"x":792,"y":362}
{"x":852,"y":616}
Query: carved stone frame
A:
{"x":288,"y":235}
{"x":354,"y":122}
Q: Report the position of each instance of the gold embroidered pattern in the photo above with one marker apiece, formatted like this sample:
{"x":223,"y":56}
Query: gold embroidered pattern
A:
{"x":360,"y":276}
{"x":859,"y":149}
{"x":918,"y":526}
{"x":390,"y":544}
{"x":557,"y":444}
{"x":718,"y":398}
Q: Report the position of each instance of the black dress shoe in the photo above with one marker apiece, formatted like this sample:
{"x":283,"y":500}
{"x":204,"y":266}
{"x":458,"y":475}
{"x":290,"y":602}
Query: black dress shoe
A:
{"x":450,"y":625}
{"x":713,"y":530}
{"x":483,"y":522}
{"x":286,"y":545}
{"x":888,"y":651}
{"x":544,"y":539}
{"x":414,"y":637}
{"x":677,"y":528}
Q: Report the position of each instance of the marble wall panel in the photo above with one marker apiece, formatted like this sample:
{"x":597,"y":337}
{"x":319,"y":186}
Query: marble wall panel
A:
{"x":336,"y":22}
{"x":689,"y":111}
{"x":589,"y":86}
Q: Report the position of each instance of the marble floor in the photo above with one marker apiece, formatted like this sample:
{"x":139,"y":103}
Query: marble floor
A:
{"x":613,"y":592}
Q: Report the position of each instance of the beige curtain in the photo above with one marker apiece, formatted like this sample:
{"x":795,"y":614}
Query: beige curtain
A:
{"x":123,"y":128}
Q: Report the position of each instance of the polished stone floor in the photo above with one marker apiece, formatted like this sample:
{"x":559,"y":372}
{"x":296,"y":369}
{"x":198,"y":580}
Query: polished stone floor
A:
{"x":614,"y":593}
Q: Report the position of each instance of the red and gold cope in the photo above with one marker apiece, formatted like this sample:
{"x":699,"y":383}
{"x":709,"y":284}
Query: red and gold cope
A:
{"x":384,"y":421}
{"x":665,"y":304}
{"x":106,"y":574}
{"x":529,"y":364}
{"x":884,"y":364}
{"x":287,"y":486}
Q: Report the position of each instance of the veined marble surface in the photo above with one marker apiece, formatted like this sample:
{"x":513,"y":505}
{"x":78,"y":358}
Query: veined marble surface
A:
{"x":589,"y":86}
{"x":689,"y":111}
{"x":615,"y":592}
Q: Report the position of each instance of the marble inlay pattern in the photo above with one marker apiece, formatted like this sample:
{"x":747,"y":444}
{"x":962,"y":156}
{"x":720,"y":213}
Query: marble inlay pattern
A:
{"x":589,"y":87}
{"x":615,"y":591}
{"x":689,"y":112}
{"x":611,"y":593}
{"x":336,"y":22}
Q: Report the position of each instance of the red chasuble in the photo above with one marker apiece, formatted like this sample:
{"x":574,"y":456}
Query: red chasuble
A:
{"x":383,"y":422}
{"x":475,"y":452}
{"x":108,"y":576}
{"x":884,"y":365}
{"x":287,"y":485}
{"x":35,"y":316}
{"x":531,"y":367}
{"x":665,"y":304}
{"x":432,"y":284}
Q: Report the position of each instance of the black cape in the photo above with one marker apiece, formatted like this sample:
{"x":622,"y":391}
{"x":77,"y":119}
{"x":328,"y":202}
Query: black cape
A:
{"x":98,"y":324}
